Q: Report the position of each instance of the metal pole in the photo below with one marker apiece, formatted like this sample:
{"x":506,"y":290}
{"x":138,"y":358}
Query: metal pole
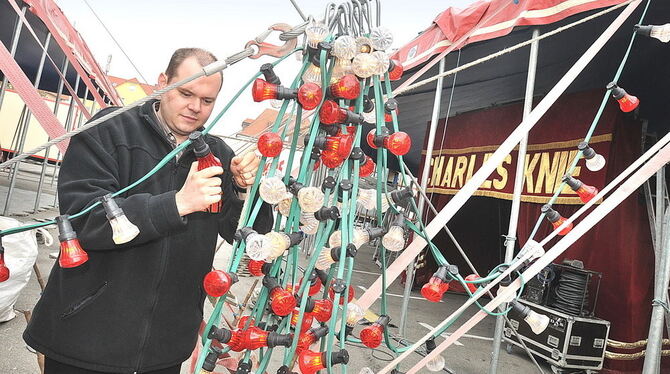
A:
{"x":652,"y":357}
{"x":46,"y":153}
{"x":424,"y":183}
{"x":12,"y":51}
{"x":68,"y":127}
{"x":25,"y":126}
{"x":516,"y":198}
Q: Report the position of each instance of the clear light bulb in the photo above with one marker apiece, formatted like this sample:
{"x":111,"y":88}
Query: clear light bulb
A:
{"x":316,"y":32}
{"x":383,"y":62}
{"x":123,"y":230}
{"x":661,"y":33}
{"x":367,"y":198}
{"x":284,"y":205}
{"x":363,"y":45}
{"x":325,"y":259}
{"x":310,"y":225}
{"x":537,"y":322}
{"x":436,"y":364}
{"x":596,"y":163}
{"x":312,"y":75}
{"x":257,"y":246}
{"x":370,"y":117}
{"x":344,"y":47}
{"x":381,"y":38}
{"x":354,"y":313}
{"x":335,"y":239}
{"x":364,"y":65}
{"x":394,"y":239}
{"x":310,"y":199}
{"x":340,"y":69}
{"x":272,"y":190}
{"x":278,"y":244}
{"x":508,"y":299}
{"x":366,"y":370}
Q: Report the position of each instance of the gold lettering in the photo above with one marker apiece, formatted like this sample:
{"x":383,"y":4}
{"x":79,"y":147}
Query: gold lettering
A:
{"x":547,"y":174}
{"x":446,"y":180}
{"x":471,"y":167}
{"x":461,"y":165}
{"x":487,"y":183}
{"x":529,"y":168}
{"x":437,"y":163}
{"x":566,"y":189}
{"x":499,"y":184}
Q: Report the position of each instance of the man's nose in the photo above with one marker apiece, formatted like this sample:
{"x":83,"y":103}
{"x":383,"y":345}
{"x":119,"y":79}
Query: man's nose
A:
{"x":194,"y":105}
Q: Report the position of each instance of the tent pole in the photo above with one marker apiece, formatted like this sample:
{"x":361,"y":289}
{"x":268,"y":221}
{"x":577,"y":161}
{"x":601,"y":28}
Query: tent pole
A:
{"x":24,"y":127}
{"x":516,"y":198}
{"x":12,"y":51}
{"x":409,"y":281}
{"x":652,"y":358}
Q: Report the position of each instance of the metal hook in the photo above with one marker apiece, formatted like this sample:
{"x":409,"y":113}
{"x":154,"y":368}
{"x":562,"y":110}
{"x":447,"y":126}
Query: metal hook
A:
{"x":365,"y":6}
{"x":357,"y":15}
{"x":378,"y":11}
{"x":271,"y":49}
{"x":329,"y":13}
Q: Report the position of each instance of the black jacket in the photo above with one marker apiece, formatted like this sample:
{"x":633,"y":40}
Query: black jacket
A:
{"x":137,"y":306}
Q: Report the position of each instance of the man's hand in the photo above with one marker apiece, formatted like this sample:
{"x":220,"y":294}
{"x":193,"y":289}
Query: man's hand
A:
{"x":201,"y":189}
{"x":243,"y":168}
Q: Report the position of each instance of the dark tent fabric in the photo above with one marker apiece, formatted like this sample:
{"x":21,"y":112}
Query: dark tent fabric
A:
{"x":620,"y":246}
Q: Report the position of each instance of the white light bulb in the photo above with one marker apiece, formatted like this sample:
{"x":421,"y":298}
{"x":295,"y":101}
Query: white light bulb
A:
{"x":596,"y":163}
{"x":381,"y":38}
{"x":312,"y":75}
{"x":436,"y":364}
{"x":284,"y":205}
{"x":363,"y":44}
{"x":335,"y":239}
{"x":364,"y":65}
{"x":344,"y":47}
{"x":257,"y":246}
{"x":394,"y":239}
{"x":661,"y":33}
{"x":340,"y":69}
{"x":370,"y":117}
{"x":310,"y":199}
{"x":272,"y":190}
{"x":509,"y":298}
{"x":537,"y":322}
{"x":325,"y":259}
{"x":316,"y":32}
{"x":366,"y":370}
{"x":383,"y":62}
{"x":361,"y":236}
{"x":278,"y":244}
{"x":354,"y":313}
{"x":310,"y":225}
{"x":367,"y":198}
{"x":123,"y":230}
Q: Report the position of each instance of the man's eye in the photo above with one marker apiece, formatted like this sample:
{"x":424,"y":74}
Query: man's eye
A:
{"x":208,"y":102}
{"x":185,"y":94}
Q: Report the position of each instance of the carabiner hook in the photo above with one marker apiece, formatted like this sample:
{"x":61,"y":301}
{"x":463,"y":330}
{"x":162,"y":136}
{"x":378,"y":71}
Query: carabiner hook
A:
{"x":271,"y":49}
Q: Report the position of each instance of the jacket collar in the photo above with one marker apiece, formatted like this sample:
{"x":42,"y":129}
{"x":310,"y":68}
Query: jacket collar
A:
{"x":147,"y":112}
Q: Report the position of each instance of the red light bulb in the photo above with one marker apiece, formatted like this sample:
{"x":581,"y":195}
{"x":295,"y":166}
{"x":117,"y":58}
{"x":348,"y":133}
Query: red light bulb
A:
{"x":255,"y":267}
{"x":282,"y":301}
{"x":585,"y":192}
{"x":436,"y":286}
{"x":270,"y":144}
{"x":372,"y":335}
{"x":309,"y":95}
{"x":471,"y":286}
{"x":254,"y":338}
{"x":218,"y":282}
{"x":398,"y":143}
{"x":242,"y":323}
{"x":367,"y":167}
{"x":262,"y":90}
{"x":395,"y":70}
{"x":627,"y":102}
{"x":307,"y":320}
{"x":315,"y":286}
{"x":388,"y":117}
{"x":322,"y":310}
{"x":331,"y":159}
{"x":205,"y":160}
{"x":310,"y":337}
{"x":556,"y":219}
{"x":371,"y":139}
{"x":310,"y":362}
{"x":331,"y":113}
{"x":71,"y":253}
{"x":348,"y":87}
{"x":4,"y":270}
{"x":236,"y":341}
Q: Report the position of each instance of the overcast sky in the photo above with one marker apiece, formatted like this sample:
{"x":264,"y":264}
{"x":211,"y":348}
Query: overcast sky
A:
{"x":150,"y":30}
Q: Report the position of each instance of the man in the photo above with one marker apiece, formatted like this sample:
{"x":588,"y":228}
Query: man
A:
{"x":136,"y":307}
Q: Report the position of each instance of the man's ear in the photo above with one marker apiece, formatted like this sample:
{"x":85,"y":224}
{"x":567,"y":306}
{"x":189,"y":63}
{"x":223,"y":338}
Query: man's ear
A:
{"x":162,"y":81}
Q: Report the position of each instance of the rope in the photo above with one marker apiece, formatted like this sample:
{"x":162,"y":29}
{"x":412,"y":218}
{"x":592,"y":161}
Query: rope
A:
{"x":624,"y":345}
{"x":662,"y":303}
{"x":631,"y":356}
{"x":513,"y":48}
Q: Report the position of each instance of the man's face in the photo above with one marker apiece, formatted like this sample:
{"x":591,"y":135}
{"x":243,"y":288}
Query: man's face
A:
{"x":186,"y":108}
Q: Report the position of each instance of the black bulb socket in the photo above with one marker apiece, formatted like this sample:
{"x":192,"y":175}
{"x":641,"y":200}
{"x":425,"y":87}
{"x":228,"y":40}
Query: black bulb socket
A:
{"x":243,"y":367}
{"x":617,"y":92}
{"x":383,"y":134}
{"x":326,"y":213}
{"x":551,"y":214}
{"x":442,"y":273}
{"x":211,"y":358}
{"x":430,"y":345}
{"x":390,"y":105}
{"x":269,"y":74}
{"x":574,"y":184}
{"x":294,"y":186}
{"x":356,"y":154}
{"x":295,"y":238}
{"x":399,"y":196}
{"x":346,"y":185}
{"x":265,"y":269}
{"x":112,"y":209}
{"x":65,"y":230}
{"x":586,"y":150}
{"x":222,"y":335}
{"x":375,"y":232}
{"x":270,"y":283}
{"x":330,"y":130}
{"x":341,"y":357}
{"x":339,"y":285}
{"x":323,"y":276}
{"x":329,"y":182}
{"x":200,"y":148}
{"x":368,"y":104}
{"x":243,"y":233}
{"x":275,"y":340}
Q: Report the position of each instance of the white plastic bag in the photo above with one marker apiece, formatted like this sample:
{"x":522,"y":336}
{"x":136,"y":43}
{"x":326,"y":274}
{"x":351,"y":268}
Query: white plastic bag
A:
{"x":20,"y":255}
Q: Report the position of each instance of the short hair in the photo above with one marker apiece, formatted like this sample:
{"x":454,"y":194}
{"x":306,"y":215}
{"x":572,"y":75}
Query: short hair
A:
{"x":204,"y":58}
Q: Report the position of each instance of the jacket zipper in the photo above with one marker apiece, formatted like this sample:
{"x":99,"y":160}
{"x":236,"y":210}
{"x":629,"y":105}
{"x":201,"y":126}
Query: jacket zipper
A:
{"x":163,"y":265}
